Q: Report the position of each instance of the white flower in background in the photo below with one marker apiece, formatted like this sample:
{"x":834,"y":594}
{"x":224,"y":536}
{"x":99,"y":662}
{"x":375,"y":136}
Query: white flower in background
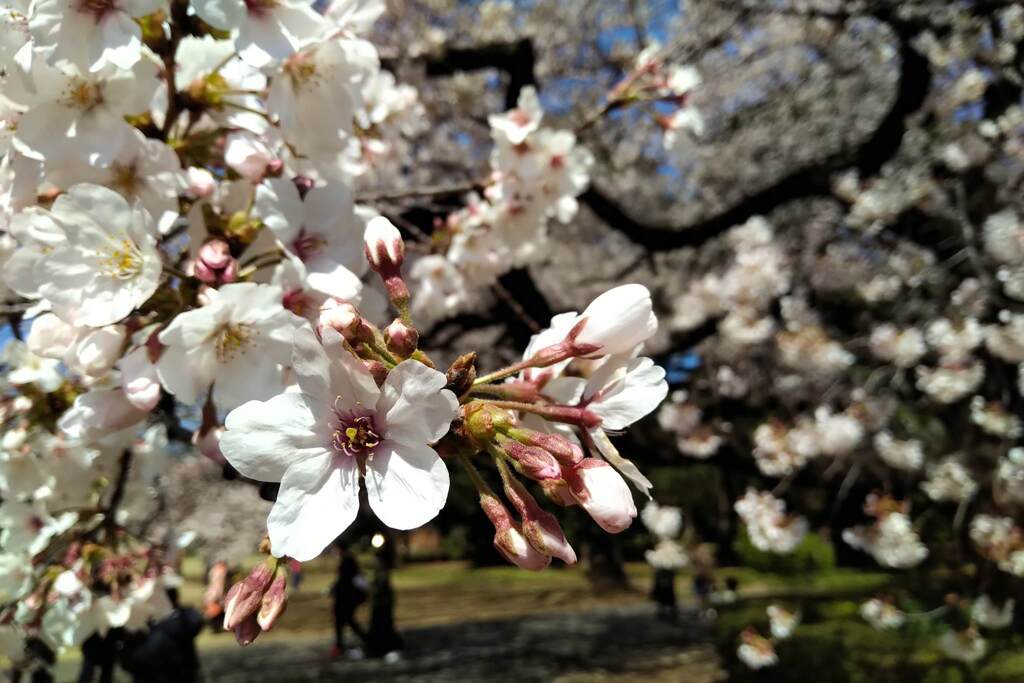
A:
{"x":27,"y":528}
{"x":809,"y":350}
{"x":79,"y":116}
{"x":90,"y":34}
{"x":84,"y":350}
{"x":97,"y":413}
{"x":323,"y":230}
{"x":769,"y":527}
{"x":339,"y":427}
{"x":892,"y":541}
{"x":209,"y":68}
{"x":664,"y":521}
{"x":950,"y":383}
{"x":999,"y":539}
{"x":267,"y":30}
{"x":954,"y":341}
{"x":25,"y":367}
{"x":882,"y":615}
{"x":143,"y":170}
{"x":963,"y":646}
{"x":701,"y":443}
{"x":438,"y":289}
{"x":755,"y":651}
{"x":780,"y":451}
{"x":108,"y":264}
{"x":949,"y":481}
{"x":667,"y":554}
{"x":1006,"y":341}
{"x":1004,"y":237}
{"x":782,"y":621}
{"x":237,"y":342}
{"x":1010,"y":476}
{"x":355,"y":16}
{"x":901,"y":347}
{"x":315,"y":94}
{"x":838,"y":433}
{"x":903,"y":455}
{"x":15,"y":576}
{"x":515,"y":125}
{"x":995,"y":419}
{"x":988,"y":614}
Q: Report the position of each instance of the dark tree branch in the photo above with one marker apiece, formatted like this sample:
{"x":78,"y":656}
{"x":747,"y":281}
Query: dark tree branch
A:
{"x":516,"y":59}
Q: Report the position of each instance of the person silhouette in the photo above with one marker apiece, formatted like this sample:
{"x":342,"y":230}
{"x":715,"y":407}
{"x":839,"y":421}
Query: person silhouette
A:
{"x":383,"y":640}
{"x":349,"y":592}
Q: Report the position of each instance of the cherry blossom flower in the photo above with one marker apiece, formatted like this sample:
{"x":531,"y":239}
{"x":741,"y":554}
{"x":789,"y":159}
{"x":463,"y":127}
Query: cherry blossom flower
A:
{"x":108,"y":263}
{"x":338,"y":428}
{"x":143,"y":170}
{"x":768,"y":526}
{"x":90,"y":34}
{"x":25,"y":367}
{"x":315,"y":94}
{"x":267,"y":30}
{"x":74,"y":115}
{"x":238,"y":342}
{"x":882,"y":614}
{"x":322,"y":230}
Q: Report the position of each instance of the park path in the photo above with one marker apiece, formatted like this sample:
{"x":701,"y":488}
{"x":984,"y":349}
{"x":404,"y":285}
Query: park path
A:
{"x":609,"y":644}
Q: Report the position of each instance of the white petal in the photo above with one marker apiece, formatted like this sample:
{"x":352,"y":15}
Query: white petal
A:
{"x":406,"y":485}
{"x":636,"y":392}
{"x":416,"y":407}
{"x":318,"y":500}
{"x":263,"y":438}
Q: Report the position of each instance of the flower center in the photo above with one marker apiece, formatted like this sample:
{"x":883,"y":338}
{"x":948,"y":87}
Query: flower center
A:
{"x":306,"y":245}
{"x":301,"y":69}
{"x":97,"y":8}
{"x":232,"y":339}
{"x":123,"y":261}
{"x":82,"y":94}
{"x":354,"y":433}
{"x":260,"y":8}
{"x":125,"y":178}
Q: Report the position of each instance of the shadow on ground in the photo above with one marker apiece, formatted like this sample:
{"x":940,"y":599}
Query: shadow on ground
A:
{"x":614,"y":644}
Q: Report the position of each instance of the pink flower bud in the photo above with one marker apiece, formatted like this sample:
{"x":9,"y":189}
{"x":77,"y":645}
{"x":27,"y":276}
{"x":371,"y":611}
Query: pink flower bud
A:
{"x":402,"y":340}
{"x":384,"y":247}
{"x":303,"y":184}
{"x":540,"y":528}
{"x":201,"y":183}
{"x":345,"y":319}
{"x":603,"y":493}
{"x":246,"y":596}
{"x":509,"y":539}
{"x":275,"y":167}
{"x":247,"y":631}
{"x":214,"y":264}
{"x":535,"y":463}
{"x":567,"y":453}
{"x":274,"y":602}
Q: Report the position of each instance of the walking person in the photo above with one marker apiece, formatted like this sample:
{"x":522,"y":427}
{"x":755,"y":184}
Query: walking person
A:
{"x":349,"y":592}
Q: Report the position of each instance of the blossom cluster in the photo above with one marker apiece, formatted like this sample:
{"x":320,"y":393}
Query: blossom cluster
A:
{"x":183,"y":236}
